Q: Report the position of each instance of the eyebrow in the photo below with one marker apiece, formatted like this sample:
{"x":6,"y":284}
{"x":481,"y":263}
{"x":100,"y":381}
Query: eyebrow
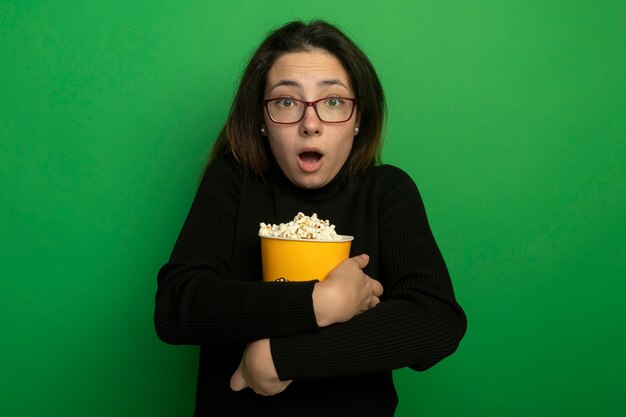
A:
{"x":323,"y":83}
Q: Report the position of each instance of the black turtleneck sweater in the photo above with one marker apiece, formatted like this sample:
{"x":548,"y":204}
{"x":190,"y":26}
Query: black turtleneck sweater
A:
{"x":210,"y":294}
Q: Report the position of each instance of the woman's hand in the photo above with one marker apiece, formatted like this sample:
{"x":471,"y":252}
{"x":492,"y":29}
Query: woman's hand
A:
{"x":346,"y":292}
{"x":257,"y":371}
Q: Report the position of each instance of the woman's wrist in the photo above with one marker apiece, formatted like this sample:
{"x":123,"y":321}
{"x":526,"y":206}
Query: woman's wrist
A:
{"x":320,"y":305}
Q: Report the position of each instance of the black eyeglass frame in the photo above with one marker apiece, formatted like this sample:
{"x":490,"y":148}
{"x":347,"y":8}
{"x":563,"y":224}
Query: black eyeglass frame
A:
{"x":308,"y":104}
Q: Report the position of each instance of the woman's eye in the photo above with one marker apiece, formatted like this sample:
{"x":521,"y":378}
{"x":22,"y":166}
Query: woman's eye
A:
{"x":285,"y":102}
{"x":333,"y":102}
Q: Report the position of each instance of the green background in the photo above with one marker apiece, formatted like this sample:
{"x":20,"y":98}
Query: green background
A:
{"x":510,"y":116}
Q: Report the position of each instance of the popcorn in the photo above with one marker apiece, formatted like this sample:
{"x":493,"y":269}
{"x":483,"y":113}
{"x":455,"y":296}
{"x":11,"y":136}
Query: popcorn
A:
{"x":301,"y":227}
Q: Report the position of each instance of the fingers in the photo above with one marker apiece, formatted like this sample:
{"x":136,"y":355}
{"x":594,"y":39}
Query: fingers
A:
{"x":377,"y":290}
{"x":375,"y":302}
{"x":377,"y":287}
{"x":361,"y":260}
{"x":346,"y":292}
{"x":237,"y":381}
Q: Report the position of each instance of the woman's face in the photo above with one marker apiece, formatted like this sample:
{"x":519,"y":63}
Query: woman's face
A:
{"x":311,"y":152}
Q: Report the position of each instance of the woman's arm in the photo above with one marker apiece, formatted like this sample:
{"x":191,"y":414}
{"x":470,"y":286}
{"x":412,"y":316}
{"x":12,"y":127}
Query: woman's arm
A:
{"x":346,"y":292}
{"x":417,"y":324}
{"x":198,"y":300}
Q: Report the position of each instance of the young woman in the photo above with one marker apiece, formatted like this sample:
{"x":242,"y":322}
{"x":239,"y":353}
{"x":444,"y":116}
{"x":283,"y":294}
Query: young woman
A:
{"x":304,"y":135}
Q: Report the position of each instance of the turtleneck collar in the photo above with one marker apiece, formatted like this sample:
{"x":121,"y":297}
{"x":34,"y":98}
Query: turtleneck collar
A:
{"x":334,"y":187}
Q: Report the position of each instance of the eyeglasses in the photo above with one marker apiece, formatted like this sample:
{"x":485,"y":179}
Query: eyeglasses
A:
{"x":286,"y":110}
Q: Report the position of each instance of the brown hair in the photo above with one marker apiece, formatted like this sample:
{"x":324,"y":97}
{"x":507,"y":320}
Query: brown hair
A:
{"x":241,"y":134}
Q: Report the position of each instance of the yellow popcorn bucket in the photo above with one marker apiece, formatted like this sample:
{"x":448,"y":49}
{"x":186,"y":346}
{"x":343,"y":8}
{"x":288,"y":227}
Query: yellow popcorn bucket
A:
{"x":301,"y":259}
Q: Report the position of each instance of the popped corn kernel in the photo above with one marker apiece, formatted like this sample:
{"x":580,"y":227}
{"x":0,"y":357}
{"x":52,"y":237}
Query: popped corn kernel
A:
{"x":301,"y":227}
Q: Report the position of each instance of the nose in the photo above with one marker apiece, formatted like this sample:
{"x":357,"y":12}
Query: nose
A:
{"x":310,"y":124}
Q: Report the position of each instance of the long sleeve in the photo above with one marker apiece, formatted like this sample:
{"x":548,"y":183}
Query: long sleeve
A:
{"x":210,"y":293}
{"x":418,"y":322}
{"x":200,"y":300}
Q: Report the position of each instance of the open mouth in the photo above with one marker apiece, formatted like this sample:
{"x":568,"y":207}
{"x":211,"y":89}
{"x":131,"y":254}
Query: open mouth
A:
{"x":310,"y":160}
{"x":310,"y":157}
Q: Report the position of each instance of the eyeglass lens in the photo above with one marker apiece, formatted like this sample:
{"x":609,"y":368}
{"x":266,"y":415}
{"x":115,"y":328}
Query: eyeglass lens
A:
{"x":289,"y":110}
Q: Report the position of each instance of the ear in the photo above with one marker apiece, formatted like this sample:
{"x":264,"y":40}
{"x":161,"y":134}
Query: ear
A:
{"x":358,"y":122}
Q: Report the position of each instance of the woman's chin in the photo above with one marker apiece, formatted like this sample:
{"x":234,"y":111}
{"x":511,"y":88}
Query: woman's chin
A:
{"x":309,"y":182}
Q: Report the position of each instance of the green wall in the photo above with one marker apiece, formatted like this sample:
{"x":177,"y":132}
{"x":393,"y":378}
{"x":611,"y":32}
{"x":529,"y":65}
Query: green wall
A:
{"x":510,"y":116}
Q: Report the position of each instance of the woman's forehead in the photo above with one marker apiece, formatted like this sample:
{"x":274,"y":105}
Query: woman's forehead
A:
{"x":308,"y":69}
